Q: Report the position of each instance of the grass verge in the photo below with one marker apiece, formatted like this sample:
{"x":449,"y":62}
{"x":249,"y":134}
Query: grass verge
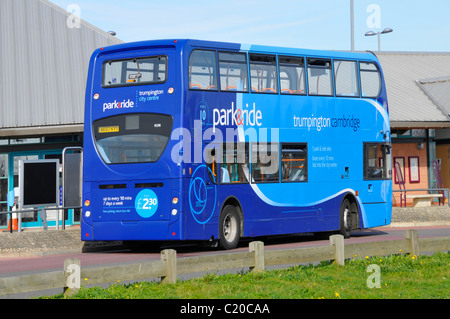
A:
{"x":393,"y":277}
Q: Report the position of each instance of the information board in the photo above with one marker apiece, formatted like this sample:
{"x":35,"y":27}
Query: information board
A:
{"x":39,"y":182}
{"x":72,"y":168}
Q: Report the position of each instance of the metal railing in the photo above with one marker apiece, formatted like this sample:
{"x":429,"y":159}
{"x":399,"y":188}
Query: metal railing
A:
{"x":42,"y":211}
{"x":445,"y":192}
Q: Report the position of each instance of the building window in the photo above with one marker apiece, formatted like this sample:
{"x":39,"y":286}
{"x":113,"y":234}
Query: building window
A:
{"x":3,"y":187}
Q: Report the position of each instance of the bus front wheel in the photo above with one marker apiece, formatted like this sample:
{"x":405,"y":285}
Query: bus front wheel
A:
{"x":229,"y":227}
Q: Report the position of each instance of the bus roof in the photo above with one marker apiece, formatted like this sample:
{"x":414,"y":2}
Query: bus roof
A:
{"x":184,"y":43}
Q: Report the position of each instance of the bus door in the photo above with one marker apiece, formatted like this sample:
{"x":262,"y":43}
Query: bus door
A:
{"x":377,"y":176}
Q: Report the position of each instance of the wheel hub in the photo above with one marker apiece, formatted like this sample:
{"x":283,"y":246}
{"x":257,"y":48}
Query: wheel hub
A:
{"x":229,"y":227}
{"x":347,"y":218}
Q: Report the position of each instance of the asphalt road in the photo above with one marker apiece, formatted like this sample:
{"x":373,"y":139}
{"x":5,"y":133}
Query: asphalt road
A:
{"x":14,"y":266}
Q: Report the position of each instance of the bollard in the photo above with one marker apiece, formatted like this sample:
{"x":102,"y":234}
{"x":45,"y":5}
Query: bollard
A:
{"x":412,"y":236}
{"x":72,"y":275}
{"x":43,"y":216}
{"x":258,"y":248}
{"x":338,"y":242}
{"x":169,"y":256}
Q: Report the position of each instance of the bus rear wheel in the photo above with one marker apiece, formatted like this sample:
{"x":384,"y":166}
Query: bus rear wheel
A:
{"x":229,"y":227}
{"x":345,"y":218}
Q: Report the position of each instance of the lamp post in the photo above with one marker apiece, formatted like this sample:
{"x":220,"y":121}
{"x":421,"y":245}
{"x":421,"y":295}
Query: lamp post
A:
{"x":371,"y":33}
{"x":352,"y":25}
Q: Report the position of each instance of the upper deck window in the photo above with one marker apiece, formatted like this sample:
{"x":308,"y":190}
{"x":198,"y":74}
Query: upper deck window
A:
{"x":233,"y":72}
{"x":346,"y":77}
{"x":202,"y":70}
{"x":320,"y":77}
{"x":263,"y":72}
{"x":136,"y":71}
{"x":292,"y":75}
{"x":370,"y":80}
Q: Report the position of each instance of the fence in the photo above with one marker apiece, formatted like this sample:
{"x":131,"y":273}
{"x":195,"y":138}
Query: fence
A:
{"x":256,"y":259}
{"x":42,"y":214}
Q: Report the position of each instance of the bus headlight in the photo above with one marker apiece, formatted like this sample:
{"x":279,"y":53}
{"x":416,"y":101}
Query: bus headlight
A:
{"x":87,"y":213}
{"x":175,"y":200}
{"x":174,"y":212}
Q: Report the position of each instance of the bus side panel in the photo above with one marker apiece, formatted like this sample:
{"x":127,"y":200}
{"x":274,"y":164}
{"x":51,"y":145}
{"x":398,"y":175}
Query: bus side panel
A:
{"x":290,"y":220}
{"x":142,"y":230}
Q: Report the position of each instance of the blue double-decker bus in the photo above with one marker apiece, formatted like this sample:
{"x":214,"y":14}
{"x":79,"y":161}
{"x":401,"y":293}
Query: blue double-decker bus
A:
{"x":210,"y":141}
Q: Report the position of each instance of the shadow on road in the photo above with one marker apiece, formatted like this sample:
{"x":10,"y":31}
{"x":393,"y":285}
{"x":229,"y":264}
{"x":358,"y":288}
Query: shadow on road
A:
{"x":152,"y":247}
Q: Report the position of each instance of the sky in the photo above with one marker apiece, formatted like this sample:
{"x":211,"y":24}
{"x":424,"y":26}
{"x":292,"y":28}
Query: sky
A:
{"x":313,"y":24}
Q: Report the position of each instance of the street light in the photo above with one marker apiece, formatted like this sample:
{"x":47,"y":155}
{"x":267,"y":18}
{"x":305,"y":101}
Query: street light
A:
{"x":371,"y":33}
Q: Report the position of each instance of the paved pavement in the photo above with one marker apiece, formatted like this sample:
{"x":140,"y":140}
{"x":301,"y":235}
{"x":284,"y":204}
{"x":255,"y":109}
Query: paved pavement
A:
{"x":423,"y":216}
{"x":40,"y":242}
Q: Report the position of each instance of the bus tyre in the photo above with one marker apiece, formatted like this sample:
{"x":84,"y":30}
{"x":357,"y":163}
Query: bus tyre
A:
{"x":345,"y":218}
{"x":229,"y":227}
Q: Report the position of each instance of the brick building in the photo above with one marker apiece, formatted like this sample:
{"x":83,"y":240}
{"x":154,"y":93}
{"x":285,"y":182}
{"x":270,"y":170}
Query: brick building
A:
{"x":418,"y":87}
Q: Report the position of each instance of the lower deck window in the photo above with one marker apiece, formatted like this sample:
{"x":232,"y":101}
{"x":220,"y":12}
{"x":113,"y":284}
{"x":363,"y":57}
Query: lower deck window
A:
{"x":265,"y":162}
{"x":377,"y":161}
{"x":234,"y":166}
{"x":294,"y":163}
